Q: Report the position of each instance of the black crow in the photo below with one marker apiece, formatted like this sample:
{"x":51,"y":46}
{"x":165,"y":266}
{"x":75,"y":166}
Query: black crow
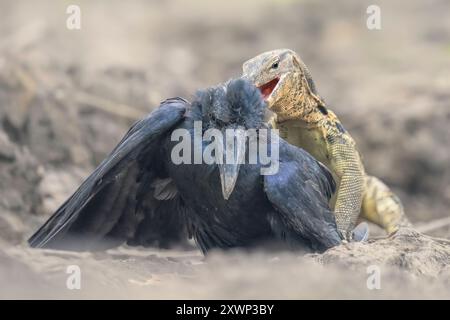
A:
{"x":141,"y":196}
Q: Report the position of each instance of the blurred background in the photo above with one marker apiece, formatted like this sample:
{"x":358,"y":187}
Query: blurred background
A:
{"x":68,"y":96}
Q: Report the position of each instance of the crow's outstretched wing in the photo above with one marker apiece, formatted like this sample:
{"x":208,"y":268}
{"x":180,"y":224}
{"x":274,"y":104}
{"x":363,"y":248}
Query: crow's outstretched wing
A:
{"x":127,"y":197}
{"x":300,"y":193}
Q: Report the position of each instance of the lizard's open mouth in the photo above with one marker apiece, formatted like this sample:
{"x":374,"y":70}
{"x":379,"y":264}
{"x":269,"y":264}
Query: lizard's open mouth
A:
{"x":267,"y":88}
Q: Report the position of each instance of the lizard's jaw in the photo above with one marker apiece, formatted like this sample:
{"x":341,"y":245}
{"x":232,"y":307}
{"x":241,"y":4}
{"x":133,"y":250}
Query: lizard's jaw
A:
{"x":267,"y":88}
{"x":270,"y":90}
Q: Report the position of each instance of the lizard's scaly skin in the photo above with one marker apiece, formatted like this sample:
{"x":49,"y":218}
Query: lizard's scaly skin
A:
{"x":381,"y":206}
{"x":305,"y":121}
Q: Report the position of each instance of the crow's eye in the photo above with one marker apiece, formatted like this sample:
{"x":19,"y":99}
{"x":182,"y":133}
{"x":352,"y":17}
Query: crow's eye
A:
{"x":275,"y":65}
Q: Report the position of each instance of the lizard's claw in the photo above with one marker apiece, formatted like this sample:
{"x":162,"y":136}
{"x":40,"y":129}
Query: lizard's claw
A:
{"x":359,"y":234}
{"x":345,"y":236}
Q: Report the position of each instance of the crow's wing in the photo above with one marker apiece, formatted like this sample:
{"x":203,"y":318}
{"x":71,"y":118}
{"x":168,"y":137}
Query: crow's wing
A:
{"x":300,"y":193}
{"x":127,"y":197}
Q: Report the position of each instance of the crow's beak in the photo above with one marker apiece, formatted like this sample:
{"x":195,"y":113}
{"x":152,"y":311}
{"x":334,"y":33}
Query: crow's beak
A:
{"x":233,"y":156}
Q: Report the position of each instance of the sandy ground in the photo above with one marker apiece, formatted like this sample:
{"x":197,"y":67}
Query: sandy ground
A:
{"x":67,"y":97}
{"x":409,"y":268}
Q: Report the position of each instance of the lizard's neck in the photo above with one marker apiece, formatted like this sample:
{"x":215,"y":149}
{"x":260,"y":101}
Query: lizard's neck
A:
{"x":296,"y":102}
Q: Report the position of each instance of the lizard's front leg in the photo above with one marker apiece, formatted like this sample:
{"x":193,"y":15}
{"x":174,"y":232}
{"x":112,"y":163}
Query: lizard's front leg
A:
{"x":346,"y":164}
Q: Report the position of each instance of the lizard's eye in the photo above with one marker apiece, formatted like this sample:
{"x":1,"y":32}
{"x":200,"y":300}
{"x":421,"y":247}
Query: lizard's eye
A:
{"x":275,"y":65}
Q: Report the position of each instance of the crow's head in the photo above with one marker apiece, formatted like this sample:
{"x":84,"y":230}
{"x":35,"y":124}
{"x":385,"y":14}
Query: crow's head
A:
{"x":237,"y":103}
{"x":231,"y":110}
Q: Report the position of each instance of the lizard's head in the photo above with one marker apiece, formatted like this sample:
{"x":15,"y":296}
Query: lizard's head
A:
{"x":279,"y":75}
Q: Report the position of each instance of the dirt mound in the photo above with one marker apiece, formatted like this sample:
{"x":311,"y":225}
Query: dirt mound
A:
{"x":407,"y":250}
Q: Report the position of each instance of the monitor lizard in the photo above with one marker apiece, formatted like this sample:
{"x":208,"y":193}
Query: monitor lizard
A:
{"x":305,"y":120}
